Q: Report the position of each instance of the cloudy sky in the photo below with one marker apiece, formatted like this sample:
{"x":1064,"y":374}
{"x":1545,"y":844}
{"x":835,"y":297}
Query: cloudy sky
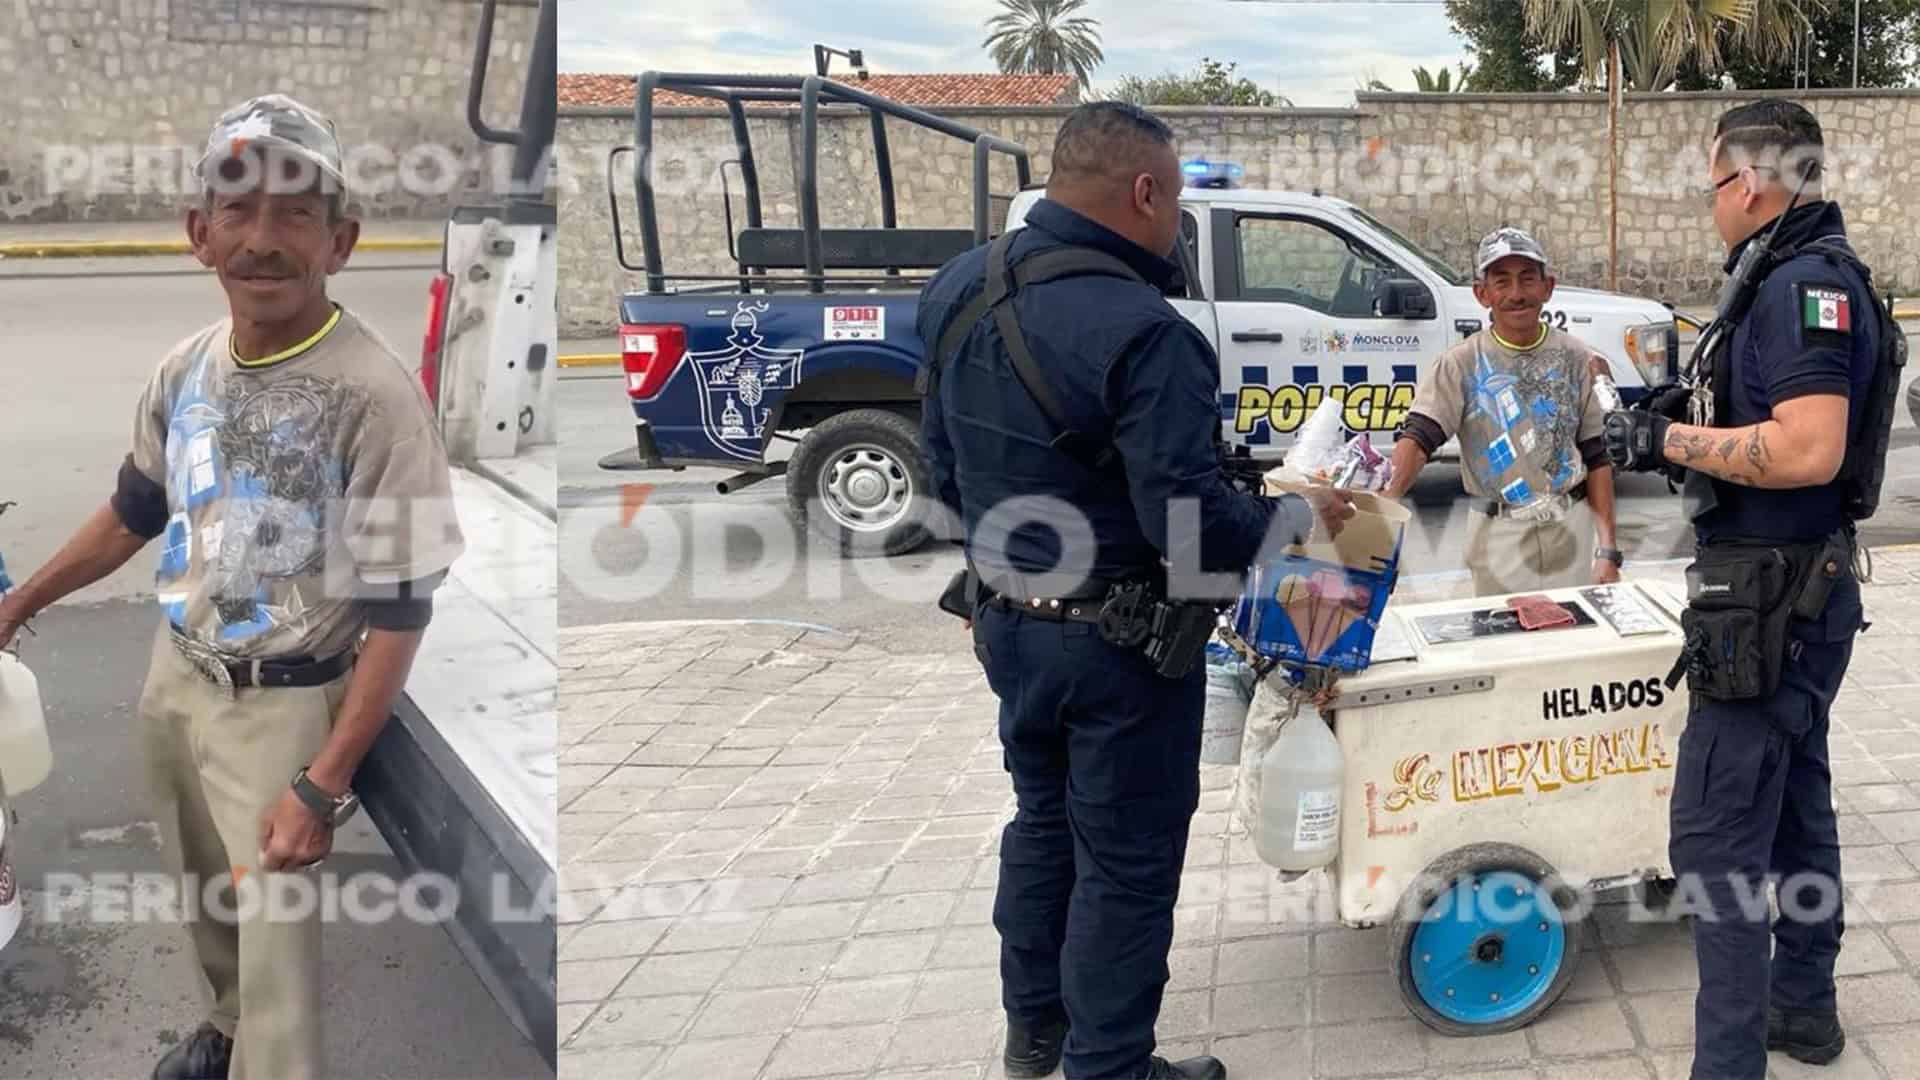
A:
{"x":1316,"y":53}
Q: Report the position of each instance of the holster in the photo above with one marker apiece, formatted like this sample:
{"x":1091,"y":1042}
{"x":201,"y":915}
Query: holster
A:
{"x":962,"y":595}
{"x":1741,"y":598}
{"x":1177,"y":640}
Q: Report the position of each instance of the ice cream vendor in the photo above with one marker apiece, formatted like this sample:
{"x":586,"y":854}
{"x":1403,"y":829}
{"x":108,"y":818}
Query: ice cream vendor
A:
{"x":1520,"y":397}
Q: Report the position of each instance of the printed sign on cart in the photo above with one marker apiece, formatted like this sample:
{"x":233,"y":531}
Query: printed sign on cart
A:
{"x":1538,"y":766}
{"x":856,"y":323}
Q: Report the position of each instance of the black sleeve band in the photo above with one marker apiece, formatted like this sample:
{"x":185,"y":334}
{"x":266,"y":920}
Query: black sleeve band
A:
{"x":1594,"y":453}
{"x":409,"y":608}
{"x":140,"y":503}
{"x":1425,"y":432}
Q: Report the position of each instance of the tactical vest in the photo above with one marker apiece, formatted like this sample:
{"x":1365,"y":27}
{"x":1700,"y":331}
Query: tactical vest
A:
{"x":1865,"y":464}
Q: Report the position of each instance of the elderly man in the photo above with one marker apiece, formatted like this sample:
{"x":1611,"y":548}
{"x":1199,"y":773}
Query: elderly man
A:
{"x":298,"y":478}
{"x":1520,"y":397}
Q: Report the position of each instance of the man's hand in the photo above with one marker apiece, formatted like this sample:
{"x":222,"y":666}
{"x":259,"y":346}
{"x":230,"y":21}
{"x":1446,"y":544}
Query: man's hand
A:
{"x":1331,"y":509}
{"x":1636,"y":439}
{"x":292,"y":836}
{"x":12,"y":617}
{"x":1605,"y":573}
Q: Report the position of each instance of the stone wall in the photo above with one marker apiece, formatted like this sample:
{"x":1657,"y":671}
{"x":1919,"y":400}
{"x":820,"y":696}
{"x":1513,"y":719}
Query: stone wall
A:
{"x":1443,"y":170}
{"x":109,"y":101}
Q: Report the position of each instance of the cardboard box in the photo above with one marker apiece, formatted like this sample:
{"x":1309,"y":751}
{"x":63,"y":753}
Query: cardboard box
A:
{"x":1320,"y":603}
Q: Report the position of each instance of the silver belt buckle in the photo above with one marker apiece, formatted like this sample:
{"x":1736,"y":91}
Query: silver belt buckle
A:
{"x":1550,"y":509}
{"x":206,"y":662}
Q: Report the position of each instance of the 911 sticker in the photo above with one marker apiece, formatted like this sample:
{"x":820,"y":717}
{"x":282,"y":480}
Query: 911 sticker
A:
{"x":866,"y":323}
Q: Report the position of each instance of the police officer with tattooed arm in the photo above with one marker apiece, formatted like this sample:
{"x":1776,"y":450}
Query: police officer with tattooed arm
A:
{"x":1780,"y":431}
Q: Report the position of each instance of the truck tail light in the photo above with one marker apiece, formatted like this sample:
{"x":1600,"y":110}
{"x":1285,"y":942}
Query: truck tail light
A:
{"x":650,"y":352}
{"x":439,"y":295}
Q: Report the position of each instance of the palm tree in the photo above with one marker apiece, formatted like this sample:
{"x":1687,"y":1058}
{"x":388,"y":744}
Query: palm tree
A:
{"x":1650,"y":39}
{"x":1044,"y":37}
{"x":1426,"y":82}
{"x":1644,"y":42}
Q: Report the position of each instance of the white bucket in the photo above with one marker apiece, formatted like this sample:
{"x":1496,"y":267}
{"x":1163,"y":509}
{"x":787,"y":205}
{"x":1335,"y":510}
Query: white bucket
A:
{"x":1225,"y":721}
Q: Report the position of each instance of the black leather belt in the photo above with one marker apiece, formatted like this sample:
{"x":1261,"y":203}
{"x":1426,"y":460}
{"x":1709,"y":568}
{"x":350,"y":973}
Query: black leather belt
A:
{"x":298,"y":671}
{"x":1050,"y":609}
{"x":1491,"y":507}
{"x":286,"y":672}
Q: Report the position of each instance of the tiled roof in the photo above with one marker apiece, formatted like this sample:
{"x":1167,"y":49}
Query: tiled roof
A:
{"x":616,"y":91}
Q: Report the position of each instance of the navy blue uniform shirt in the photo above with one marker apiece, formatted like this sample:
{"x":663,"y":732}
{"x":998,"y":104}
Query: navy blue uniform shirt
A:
{"x":1126,"y":367}
{"x":1778,"y":356}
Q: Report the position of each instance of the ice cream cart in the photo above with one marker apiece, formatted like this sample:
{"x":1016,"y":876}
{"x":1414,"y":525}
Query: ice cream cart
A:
{"x":1492,"y":776}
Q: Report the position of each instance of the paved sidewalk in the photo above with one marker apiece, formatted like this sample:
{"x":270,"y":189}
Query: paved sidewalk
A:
{"x":778,"y":858}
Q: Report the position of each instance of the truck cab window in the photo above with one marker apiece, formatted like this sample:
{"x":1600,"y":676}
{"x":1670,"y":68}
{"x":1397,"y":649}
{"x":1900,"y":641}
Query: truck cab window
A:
{"x":1188,"y":287}
{"x":1301,"y":262}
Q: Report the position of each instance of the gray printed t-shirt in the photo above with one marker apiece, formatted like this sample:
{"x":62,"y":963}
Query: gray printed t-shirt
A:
{"x":295,"y":489}
{"x":1520,"y":414}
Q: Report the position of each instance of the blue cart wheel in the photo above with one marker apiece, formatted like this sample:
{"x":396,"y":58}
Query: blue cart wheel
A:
{"x":1483,"y":942}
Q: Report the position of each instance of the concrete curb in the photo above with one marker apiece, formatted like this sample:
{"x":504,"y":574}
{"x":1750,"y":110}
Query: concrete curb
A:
{"x":85,"y":249}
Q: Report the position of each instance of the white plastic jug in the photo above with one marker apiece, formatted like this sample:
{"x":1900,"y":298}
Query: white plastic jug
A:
{"x":1299,"y":824}
{"x":26,"y":757}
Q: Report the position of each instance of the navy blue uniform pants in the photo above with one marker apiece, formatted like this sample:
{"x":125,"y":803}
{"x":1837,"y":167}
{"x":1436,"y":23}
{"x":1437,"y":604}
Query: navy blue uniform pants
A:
{"x":1105,"y":760}
{"x":1753,"y":798}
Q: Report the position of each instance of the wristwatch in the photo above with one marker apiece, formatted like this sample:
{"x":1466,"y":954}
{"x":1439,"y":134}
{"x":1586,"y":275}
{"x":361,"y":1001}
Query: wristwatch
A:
{"x":1612,"y":555}
{"x":331,"y":810}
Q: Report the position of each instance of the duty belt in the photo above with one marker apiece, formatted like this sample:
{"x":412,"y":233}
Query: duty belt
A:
{"x":231,"y":673}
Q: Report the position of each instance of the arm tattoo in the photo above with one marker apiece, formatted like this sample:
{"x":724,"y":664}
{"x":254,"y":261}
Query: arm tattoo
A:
{"x":1728,"y":448}
{"x":1757,"y":453}
{"x":1692,"y":447}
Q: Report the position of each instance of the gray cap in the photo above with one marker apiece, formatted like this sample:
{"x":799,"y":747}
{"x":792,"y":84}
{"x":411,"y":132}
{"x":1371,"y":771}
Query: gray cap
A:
{"x":1506,"y":241}
{"x":275,"y":122}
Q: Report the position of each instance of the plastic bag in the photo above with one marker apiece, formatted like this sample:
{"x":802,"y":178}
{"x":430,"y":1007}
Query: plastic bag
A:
{"x":1320,"y":445}
{"x":1323,"y":455}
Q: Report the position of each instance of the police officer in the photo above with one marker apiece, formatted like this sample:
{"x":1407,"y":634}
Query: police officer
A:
{"x":1778,"y":446}
{"x":1073,"y":427}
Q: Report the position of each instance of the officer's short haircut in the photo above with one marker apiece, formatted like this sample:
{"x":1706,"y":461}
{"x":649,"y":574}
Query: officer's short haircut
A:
{"x":1107,"y":138}
{"x":1772,"y":133}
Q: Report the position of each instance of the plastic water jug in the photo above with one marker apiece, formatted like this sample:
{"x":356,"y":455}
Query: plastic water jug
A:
{"x":1300,"y":778}
{"x":26,"y":757}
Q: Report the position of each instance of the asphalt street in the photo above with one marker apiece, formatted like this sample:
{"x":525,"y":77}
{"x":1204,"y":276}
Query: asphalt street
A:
{"x":82,"y":997}
{"x":690,"y":553}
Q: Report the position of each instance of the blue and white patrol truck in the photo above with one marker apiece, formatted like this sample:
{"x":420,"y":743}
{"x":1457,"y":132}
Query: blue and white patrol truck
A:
{"x":810,"y":341}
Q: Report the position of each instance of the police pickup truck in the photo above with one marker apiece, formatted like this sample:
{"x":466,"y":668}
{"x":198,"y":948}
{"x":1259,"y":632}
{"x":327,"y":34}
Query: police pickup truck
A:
{"x":1304,"y":296}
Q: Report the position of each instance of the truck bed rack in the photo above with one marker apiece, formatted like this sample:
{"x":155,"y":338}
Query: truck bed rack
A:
{"x":808,"y":249}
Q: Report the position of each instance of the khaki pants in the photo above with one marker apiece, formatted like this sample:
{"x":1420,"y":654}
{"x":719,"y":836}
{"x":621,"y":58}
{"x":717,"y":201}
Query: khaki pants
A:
{"x":217,"y":766}
{"x":1510,"y":556}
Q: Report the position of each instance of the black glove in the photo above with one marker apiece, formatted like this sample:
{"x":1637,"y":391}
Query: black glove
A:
{"x":1635,"y":438}
{"x":1668,"y":400}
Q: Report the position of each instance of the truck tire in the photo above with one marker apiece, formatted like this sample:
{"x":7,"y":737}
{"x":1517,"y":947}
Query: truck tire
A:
{"x":855,"y":478}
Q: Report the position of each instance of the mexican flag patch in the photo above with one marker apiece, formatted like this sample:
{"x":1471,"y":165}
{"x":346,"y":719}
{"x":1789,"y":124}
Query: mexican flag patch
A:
{"x":1825,"y":309}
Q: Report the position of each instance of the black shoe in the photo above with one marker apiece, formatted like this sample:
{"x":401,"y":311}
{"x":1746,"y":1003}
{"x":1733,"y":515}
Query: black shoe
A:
{"x":1200,"y":1068}
{"x":1814,"y":1038}
{"x":205,"y":1055}
{"x":1034,"y":1051}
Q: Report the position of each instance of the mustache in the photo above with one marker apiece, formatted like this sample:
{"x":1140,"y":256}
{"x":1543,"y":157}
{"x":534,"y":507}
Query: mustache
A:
{"x":269,"y":266}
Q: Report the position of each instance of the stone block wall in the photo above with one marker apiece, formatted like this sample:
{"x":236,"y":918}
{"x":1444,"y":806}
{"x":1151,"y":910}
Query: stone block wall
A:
{"x":109,"y":101}
{"x":1441,"y":169}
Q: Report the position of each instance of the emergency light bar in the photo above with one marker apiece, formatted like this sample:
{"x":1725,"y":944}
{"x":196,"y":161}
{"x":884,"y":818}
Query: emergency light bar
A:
{"x":1201,"y":173}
